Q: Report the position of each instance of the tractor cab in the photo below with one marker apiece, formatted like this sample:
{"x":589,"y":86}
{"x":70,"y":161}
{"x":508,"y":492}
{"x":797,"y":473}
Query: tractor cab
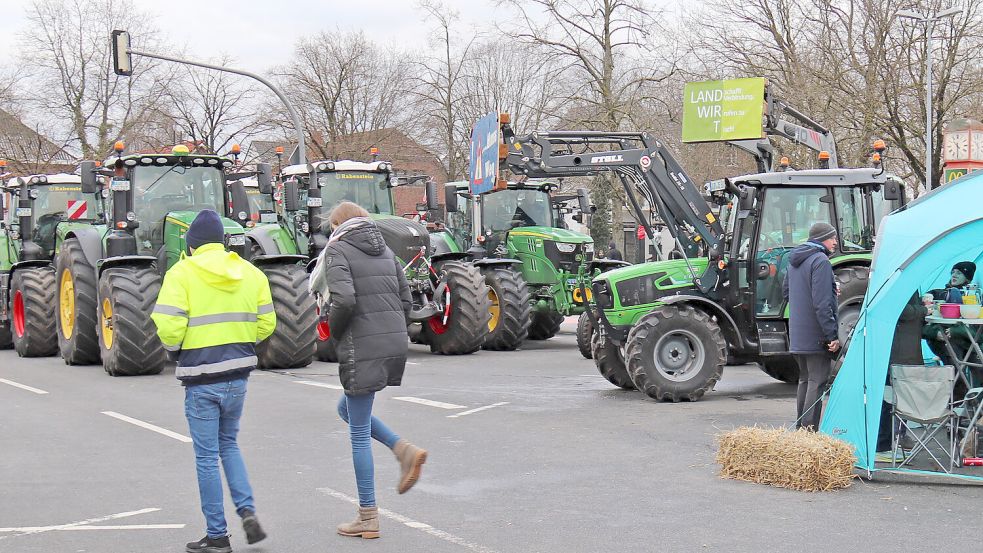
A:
{"x":262,"y":207}
{"x":155,"y":197}
{"x":775,"y":215}
{"x":41,"y":208}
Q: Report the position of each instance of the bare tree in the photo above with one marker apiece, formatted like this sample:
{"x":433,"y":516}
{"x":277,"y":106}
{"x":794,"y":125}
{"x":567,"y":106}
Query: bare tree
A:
{"x":343,"y":83}
{"x":600,"y":43}
{"x":215,"y":109}
{"x":68,"y":44}
{"x":440,"y":87}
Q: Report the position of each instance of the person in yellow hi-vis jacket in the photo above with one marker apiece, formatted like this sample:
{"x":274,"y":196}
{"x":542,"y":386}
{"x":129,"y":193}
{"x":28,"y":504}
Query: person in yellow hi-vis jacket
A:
{"x":213,"y":308}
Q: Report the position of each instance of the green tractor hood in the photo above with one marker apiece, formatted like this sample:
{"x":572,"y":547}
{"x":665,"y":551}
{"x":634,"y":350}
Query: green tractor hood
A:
{"x":554,"y":234}
{"x":633,"y":291}
{"x":183,"y":220}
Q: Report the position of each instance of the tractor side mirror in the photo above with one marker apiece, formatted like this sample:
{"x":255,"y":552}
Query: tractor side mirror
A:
{"x":240,"y":202}
{"x":432,"y":203}
{"x":291,"y":197}
{"x":264,"y":177}
{"x":90,"y":182}
{"x":892,"y":190}
{"x":583,"y":200}
{"x":450,"y":198}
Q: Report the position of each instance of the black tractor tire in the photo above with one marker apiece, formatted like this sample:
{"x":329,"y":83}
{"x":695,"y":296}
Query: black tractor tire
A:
{"x":676,"y":352}
{"x":6,"y":338}
{"x":467,"y":325}
{"x":585,"y":335}
{"x":81,"y":346}
{"x":127,"y":335}
{"x":545,"y":325}
{"x":327,"y":351}
{"x":292,"y":344}
{"x":853,"y":286}
{"x":781,"y":368}
{"x":39,"y":335}
{"x":416,"y":334}
{"x":509,"y":324}
{"x":610,"y":363}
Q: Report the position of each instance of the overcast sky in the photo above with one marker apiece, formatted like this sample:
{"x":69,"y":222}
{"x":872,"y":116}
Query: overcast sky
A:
{"x":261,"y":33}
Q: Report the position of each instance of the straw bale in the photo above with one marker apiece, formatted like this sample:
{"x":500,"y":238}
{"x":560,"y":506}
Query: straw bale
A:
{"x":800,"y":460}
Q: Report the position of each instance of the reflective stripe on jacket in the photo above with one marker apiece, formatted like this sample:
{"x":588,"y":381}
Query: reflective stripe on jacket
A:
{"x":213,"y":308}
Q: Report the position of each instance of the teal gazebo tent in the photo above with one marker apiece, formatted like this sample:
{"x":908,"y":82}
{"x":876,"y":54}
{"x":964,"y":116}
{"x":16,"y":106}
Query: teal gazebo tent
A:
{"x":916,"y":248}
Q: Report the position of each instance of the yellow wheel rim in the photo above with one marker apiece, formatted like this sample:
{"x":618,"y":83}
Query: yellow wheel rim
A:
{"x":66,"y":303}
{"x":107,"y":323}
{"x":495,"y":310}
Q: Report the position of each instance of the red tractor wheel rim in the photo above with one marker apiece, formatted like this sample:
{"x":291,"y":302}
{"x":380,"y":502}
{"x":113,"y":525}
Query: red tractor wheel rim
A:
{"x":19,"y":314}
{"x":437,"y":324}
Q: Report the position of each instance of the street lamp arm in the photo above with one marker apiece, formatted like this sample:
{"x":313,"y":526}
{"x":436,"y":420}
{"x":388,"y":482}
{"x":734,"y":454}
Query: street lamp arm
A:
{"x":294,"y":116}
{"x":911,"y":14}
{"x":948,"y":13}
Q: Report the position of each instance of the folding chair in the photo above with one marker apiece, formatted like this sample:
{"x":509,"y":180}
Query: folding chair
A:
{"x":923,"y":395}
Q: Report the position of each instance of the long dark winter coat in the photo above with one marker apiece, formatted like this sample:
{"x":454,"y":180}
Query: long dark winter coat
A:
{"x":369,"y":304}
{"x":811,"y":293}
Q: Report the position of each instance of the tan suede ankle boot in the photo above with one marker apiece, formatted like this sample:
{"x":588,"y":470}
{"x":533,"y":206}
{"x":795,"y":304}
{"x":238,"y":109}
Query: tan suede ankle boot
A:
{"x":411,"y":459}
{"x":365,"y":525}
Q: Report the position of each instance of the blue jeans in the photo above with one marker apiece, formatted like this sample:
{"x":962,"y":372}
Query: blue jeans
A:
{"x":363,"y":427}
{"x":213,"y":412}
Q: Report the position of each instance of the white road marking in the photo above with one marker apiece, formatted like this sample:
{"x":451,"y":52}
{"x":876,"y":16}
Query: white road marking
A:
{"x":319,"y":384}
{"x":41,"y":529}
{"x":477,"y":410}
{"x":36,"y":529}
{"x":411,"y":363}
{"x":22,"y":386}
{"x":148,"y":426}
{"x":431,"y":403}
{"x":416,"y":525}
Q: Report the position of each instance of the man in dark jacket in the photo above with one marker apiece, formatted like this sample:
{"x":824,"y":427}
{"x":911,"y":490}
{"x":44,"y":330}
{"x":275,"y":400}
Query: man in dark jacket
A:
{"x":810,"y":290}
{"x":613,"y":252}
{"x":369,"y":303}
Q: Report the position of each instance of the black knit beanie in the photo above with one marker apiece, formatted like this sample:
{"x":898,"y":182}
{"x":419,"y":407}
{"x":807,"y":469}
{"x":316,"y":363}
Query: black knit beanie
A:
{"x":967,"y":268}
{"x":207,"y":228}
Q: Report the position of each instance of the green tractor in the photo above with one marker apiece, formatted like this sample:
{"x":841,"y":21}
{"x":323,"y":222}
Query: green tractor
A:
{"x":668,"y":328}
{"x":48,"y":207}
{"x":535,"y":268}
{"x":108,"y":273}
{"x":449,"y":296}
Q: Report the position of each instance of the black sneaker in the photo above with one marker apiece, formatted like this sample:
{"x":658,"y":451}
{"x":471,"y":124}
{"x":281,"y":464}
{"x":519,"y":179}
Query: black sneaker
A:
{"x":254,"y":532}
{"x":209,"y":545}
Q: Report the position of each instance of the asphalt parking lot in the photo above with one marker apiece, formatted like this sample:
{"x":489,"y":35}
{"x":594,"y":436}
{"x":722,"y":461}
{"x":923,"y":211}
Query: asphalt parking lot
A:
{"x":530,"y":451}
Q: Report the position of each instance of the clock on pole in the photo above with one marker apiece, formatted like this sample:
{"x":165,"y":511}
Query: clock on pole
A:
{"x":962,"y":148}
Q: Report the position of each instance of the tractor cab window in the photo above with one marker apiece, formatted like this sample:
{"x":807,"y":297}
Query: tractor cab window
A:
{"x":159,"y":190}
{"x":508,"y":209}
{"x":258,"y":202}
{"x":881,"y":207}
{"x":856,"y":228}
{"x":786,"y":216}
{"x":369,"y":190}
{"x":60,"y":202}
{"x":459,"y":222}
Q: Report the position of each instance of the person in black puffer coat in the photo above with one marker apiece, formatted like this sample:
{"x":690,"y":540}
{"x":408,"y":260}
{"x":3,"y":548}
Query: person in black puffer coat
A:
{"x":810,"y":289}
{"x":369,"y":302}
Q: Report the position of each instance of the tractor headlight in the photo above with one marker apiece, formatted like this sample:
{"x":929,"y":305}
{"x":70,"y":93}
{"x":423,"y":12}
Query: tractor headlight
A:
{"x":130,"y":216}
{"x":33,"y":193}
{"x":565,"y":247}
{"x":589,"y":247}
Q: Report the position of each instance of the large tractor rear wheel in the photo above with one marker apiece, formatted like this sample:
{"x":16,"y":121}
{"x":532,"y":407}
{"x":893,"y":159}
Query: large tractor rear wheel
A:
{"x":34,"y":302}
{"x":545,"y":325}
{"x":127,"y":335}
{"x":853,"y":287}
{"x":585,"y":335}
{"x":463,"y":324}
{"x":676,"y":352}
{"x":781,"y":368}
{"x":292,"y":344}
{"x":510,"y":309}
{"x":78,"y":329}
{"x":610,"y":363}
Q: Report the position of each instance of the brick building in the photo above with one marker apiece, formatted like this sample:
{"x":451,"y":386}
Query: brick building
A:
{"x":28,"y":152}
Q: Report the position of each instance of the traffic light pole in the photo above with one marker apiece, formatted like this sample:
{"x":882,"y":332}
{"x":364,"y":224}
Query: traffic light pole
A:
{"x":120,"y":41}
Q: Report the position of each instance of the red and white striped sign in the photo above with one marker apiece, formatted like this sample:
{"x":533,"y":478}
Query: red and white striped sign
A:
{"x":77,"y":209}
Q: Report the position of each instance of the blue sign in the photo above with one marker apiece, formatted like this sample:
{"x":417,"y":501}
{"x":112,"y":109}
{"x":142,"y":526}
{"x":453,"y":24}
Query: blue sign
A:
{"x":484,"y":154}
